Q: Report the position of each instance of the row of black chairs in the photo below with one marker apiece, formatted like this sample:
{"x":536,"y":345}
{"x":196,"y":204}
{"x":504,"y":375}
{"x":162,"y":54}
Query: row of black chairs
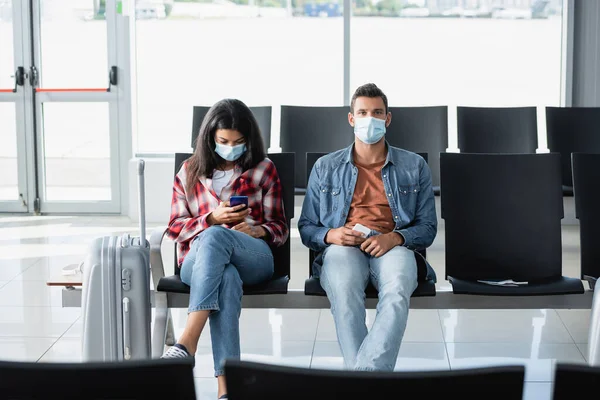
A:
{"x":502,"y":221}
{"x":249,"y":380}
{"x":425,"y":129}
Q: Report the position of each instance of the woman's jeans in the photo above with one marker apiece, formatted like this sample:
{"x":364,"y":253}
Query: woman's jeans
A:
{"x":219,"y":262}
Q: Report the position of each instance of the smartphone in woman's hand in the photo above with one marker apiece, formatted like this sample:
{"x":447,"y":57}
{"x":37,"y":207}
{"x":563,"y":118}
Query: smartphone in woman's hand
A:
{"x":237,"y":200}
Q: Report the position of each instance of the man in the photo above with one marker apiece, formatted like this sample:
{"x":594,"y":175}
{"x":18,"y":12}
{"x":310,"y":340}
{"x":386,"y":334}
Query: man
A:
{"x":389,"y":191}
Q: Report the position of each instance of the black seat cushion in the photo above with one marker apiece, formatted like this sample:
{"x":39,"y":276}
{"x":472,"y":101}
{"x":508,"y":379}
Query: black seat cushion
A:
{"x":312,"y":287}
{"x":562,"y":285}
{"x":173,"y":284}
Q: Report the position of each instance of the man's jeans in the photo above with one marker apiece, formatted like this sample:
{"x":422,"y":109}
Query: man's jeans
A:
{"x":219,"y":262}
{"x":344,"y":275}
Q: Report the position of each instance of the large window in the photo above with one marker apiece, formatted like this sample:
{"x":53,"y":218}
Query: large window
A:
{"x":267,"y":53}
{"x":274,"y":52}
{"x":461,"y":52}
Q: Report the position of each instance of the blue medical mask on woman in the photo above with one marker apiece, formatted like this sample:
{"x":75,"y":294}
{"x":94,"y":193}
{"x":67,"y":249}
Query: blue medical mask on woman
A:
{"x":230,"y":153}
{"x":369,"y":130}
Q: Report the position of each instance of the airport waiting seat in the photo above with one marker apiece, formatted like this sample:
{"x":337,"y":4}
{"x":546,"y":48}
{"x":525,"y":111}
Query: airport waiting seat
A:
{"x":586,"y":184}
{"x":313,"y":129}
{"x":497,"y":130}
{"x":250,"y":380}
{"x":421,"y":130}
{"x":262,"y":115}
{"x":572,"y":130}
{"x":575,"y":381}
{"x":169,"y":379}
{"x":284,"y":162}
{"x":312,"y":285}
{"x":502,"y":216}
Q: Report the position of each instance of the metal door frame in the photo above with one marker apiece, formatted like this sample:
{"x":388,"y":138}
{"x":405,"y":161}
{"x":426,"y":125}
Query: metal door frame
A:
{"x":70,"y":95}
{"x":19,"y":97}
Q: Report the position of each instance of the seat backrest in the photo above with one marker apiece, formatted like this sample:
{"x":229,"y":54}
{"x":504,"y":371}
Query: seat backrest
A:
{"x":313,"y":129}
{"x":262,"y":115}
{"x":572,"y":130}
{"x":179,"y":159}
{"x":421,"y":130}
{"x":497,"y":130}
{"x":586,"y":188}
{"x":249,"y":380}
{"x":285,"y":164}
{"x":311,"y":159}
{"x":123,"y":380}
{"x":502,"y":216}
{"x":575,"y":381}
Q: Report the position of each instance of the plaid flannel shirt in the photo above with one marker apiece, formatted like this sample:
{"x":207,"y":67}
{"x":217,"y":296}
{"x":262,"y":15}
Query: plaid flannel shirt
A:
{"x":189,"y":211}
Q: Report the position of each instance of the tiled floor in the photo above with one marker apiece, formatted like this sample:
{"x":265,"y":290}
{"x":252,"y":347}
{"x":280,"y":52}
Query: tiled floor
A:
{"x":34,"y":327}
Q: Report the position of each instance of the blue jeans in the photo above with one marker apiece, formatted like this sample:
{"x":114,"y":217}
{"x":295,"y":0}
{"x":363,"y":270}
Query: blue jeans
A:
{"x":219,"y":262}
{"x":344,"y":275}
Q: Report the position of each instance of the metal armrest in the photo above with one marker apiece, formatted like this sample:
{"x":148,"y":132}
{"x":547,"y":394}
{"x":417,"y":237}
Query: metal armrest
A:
{"x":163,"y":324}
{"x":156,"y":263}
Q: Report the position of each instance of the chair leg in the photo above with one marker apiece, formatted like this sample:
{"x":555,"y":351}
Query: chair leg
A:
{"x":594,"y":335}
{"x":161,"y":322}
{"x":170,"y":339}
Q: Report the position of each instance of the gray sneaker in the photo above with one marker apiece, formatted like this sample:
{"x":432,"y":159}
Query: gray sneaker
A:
{"x":178,"y":351}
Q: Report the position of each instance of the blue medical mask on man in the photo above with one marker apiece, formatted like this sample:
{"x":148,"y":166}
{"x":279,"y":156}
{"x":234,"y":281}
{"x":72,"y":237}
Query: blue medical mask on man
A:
{"x":369,"y":130}
{"x":230,"y":153}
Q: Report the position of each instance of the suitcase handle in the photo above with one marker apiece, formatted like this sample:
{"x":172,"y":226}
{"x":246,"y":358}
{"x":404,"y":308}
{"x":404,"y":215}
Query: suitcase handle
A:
{"x":126,"y":329}
{"x":142,"y":207}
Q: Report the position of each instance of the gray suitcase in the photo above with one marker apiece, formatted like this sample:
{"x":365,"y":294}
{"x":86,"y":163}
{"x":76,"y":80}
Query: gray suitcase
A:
{"x":116,"y":295}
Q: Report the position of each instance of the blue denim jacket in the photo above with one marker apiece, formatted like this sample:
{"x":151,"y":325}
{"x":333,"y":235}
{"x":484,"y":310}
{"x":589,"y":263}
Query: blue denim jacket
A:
{"x":407,"y":182}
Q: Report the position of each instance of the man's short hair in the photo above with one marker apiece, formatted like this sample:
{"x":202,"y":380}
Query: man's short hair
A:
{"x":369,"y":90}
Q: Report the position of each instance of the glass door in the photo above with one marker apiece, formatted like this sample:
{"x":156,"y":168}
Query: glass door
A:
{"x":75,"y":84}
{"x":13,"y":156}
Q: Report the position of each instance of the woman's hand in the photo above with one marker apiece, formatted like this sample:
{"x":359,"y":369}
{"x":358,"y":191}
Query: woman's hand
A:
{"x":254,"y":231}
{"x":224,"y":214}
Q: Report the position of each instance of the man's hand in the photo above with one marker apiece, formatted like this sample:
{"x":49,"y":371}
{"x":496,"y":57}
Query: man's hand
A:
{"x":344,"y":236}
{"x":254,"y":231}
{"x":378,"y":245}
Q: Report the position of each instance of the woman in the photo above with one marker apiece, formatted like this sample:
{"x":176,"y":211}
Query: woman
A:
{"x":222,"y":247}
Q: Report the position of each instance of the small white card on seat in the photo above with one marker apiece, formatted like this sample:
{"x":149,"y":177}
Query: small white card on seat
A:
{"x":506,"y":282}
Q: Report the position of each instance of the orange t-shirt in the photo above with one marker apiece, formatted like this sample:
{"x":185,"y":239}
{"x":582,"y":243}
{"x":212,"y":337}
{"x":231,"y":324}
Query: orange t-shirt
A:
{"x":369,"y":205}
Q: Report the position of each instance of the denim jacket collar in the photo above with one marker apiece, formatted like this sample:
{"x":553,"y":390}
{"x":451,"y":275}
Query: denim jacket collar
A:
{"x":349,"y":155}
